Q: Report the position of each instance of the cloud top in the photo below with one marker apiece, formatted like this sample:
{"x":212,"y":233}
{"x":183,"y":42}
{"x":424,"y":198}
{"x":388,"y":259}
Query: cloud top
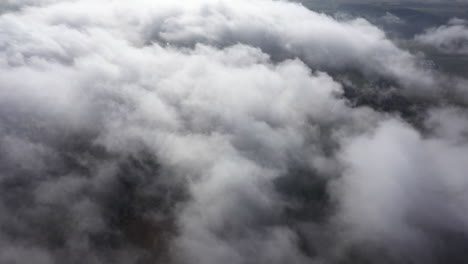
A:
{"x":222,"y":132}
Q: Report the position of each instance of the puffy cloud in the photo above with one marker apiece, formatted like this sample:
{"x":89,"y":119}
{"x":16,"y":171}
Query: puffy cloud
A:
{"x":451,"y":38}
{"x":285,"y":30}
{"x":209,"y":131}
{"x":416,"y":186}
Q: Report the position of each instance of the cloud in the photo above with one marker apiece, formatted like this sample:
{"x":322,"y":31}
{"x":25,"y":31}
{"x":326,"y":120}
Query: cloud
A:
{"x":450,"y":39}
{"x":416,"y":185}
{"x":390,"y":19}
{"x":286,"y":30}
{"x":214,"y":131}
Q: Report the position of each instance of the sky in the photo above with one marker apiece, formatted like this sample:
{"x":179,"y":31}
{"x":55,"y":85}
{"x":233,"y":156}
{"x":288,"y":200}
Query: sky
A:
{"x":238,"y":132}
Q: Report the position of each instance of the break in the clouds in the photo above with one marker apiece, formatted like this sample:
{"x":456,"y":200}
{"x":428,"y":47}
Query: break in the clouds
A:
{"x":222,"y":132}
{"x":450,"y":39}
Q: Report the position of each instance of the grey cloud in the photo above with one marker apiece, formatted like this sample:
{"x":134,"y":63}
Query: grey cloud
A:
{"x":390,"y":18}
{"x":416,"y":186}
{"x":450,"y":39}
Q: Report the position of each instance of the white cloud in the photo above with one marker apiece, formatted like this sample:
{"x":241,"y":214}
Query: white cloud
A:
{"x":401,"y":188}
{"x":132,"y":120}
{"x":451,"y":38}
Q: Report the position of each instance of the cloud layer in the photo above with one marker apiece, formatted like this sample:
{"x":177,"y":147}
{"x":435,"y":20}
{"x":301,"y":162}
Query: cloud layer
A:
{"x":222,"y":132}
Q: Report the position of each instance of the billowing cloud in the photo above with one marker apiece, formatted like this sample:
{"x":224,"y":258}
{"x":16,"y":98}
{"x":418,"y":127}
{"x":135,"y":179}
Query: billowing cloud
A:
{"x":416,"y":185}
{"x":221,"y":132}
{"x":451,"y":38}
